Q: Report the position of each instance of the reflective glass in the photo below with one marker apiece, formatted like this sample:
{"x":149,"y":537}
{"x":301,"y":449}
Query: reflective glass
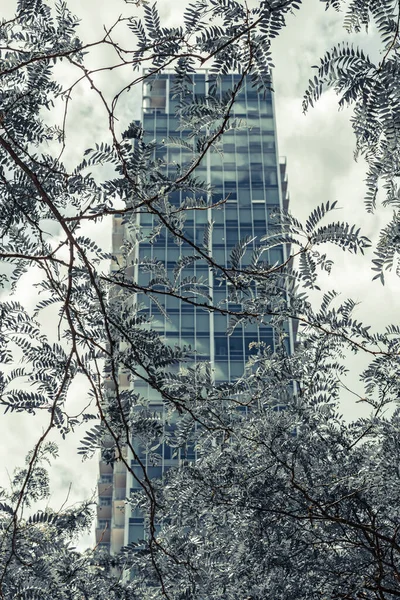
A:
{"x":245,"y":179}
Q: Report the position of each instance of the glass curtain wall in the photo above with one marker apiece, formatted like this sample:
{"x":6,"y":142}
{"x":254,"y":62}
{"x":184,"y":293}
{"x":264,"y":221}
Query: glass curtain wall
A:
{"x":248,"y":177}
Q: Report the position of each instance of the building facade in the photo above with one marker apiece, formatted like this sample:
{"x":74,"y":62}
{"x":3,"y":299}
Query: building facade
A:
{"x":250,"y":183}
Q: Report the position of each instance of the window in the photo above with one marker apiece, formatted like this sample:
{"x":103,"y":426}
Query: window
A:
{"x":220,"y":322}
{"x":236,"y":346}
{"x":236,"y":368}
{"x":245,"y":231}
{"x":269,"y":159}
{"x":218,"y":234}
{"x":154,"y":472}
{"x":230,"y":186}
{"x":221,"y":346}
{"x":104,"y":523}
{"x":203,"y":346}
{"x":136,"y":530}
{"x":267,"y":123}
{"x":202,"y":322}
{"x":243,"y":177}
{"x":271,"y":177}
{"x":276,"y":256}
{"x":187,"y":322}
{"x":232,"y":235}
{"x":221,"y":371}
{"x":104,"y":501}
{"x":256,"y":174}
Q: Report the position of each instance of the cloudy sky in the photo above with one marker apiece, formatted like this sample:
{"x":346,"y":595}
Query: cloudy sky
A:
{"x":319,"y":150}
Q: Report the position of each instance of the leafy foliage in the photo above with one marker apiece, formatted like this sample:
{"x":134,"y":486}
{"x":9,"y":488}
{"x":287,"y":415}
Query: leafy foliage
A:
{"x":285,"y":498}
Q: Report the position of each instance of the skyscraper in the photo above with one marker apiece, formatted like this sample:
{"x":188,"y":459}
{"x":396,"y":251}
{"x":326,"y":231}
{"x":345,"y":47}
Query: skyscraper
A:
{"x":250,"y":183}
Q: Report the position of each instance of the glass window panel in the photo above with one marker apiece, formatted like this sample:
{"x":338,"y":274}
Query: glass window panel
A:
{"x":240,"y":150}
{"x":242,"y":159}
{"x":221,"y":370}
{"x":154,"y":472}
{"x":173,"y":324}
{"x":232,"y":236}
{"x":201,"y":216}
{"x":245,"y":231}
{"x":258,"y":194}
{"x":200,"y":87}
{"x":136,"y":533}
{"x":161,"y":121}
{"x":276,"y":256}
{"x":244,"y":196}
{"x":146,"y":219}
{"x":267,"y":123}
{"x":144,"y":253}
{"x":266,"y":336}
{"x":202,"y":322}
{"x":185,"y":307}
{"x":221,"y":346}
{"x":203,"y":345}
{"x":240,"y":107}
{"x":173,"y":253}
{"x":160,"y":241}
{"x":216,"y":176}
{"x":271,"y":177}
{"x":259,"y":214}
{"x":219,"y":298}
{"x":230,"y":179}
{"x":201,"y":173}
{"x":138,"y":471}
{"x":218,"y":215}
{"x":104,"y":501}
{"x":187,"y":339}
{"x":218,"y":234}
{"x":172,"y":303}
{"x":220,"y":323}
{"x":269,"y":159}
{"x":243,"y":177}
{"x":252,"y":107}
{"x":186,"y":250}
{"x":256,"y":174}
{"x":259,"y":225}
{"x":236,"y":346}
{"x":104,"y":523}
{"x":187,"y":322}
{"x":231,"y":214}
{"x":272,"y":196}
{"x":229,"y":138}
{"x":254,"y":148}
{"x":226,"y":83}
{"x":236,"y":368}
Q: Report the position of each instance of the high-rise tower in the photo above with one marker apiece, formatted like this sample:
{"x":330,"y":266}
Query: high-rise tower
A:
{"x":250,"y":182}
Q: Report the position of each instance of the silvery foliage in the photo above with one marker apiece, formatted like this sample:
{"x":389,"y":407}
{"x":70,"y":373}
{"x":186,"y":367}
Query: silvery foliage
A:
{"x":281,"y":503}
{"x":372,"y":88}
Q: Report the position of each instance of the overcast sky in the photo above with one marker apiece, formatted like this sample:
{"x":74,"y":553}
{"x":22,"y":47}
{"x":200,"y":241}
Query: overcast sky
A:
{"x":319,"y":150}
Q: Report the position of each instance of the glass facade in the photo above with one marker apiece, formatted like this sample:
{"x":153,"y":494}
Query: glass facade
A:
{"x":250,"y":184}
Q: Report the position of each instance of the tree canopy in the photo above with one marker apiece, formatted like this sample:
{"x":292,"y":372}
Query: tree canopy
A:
{"x":286,"y":499}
